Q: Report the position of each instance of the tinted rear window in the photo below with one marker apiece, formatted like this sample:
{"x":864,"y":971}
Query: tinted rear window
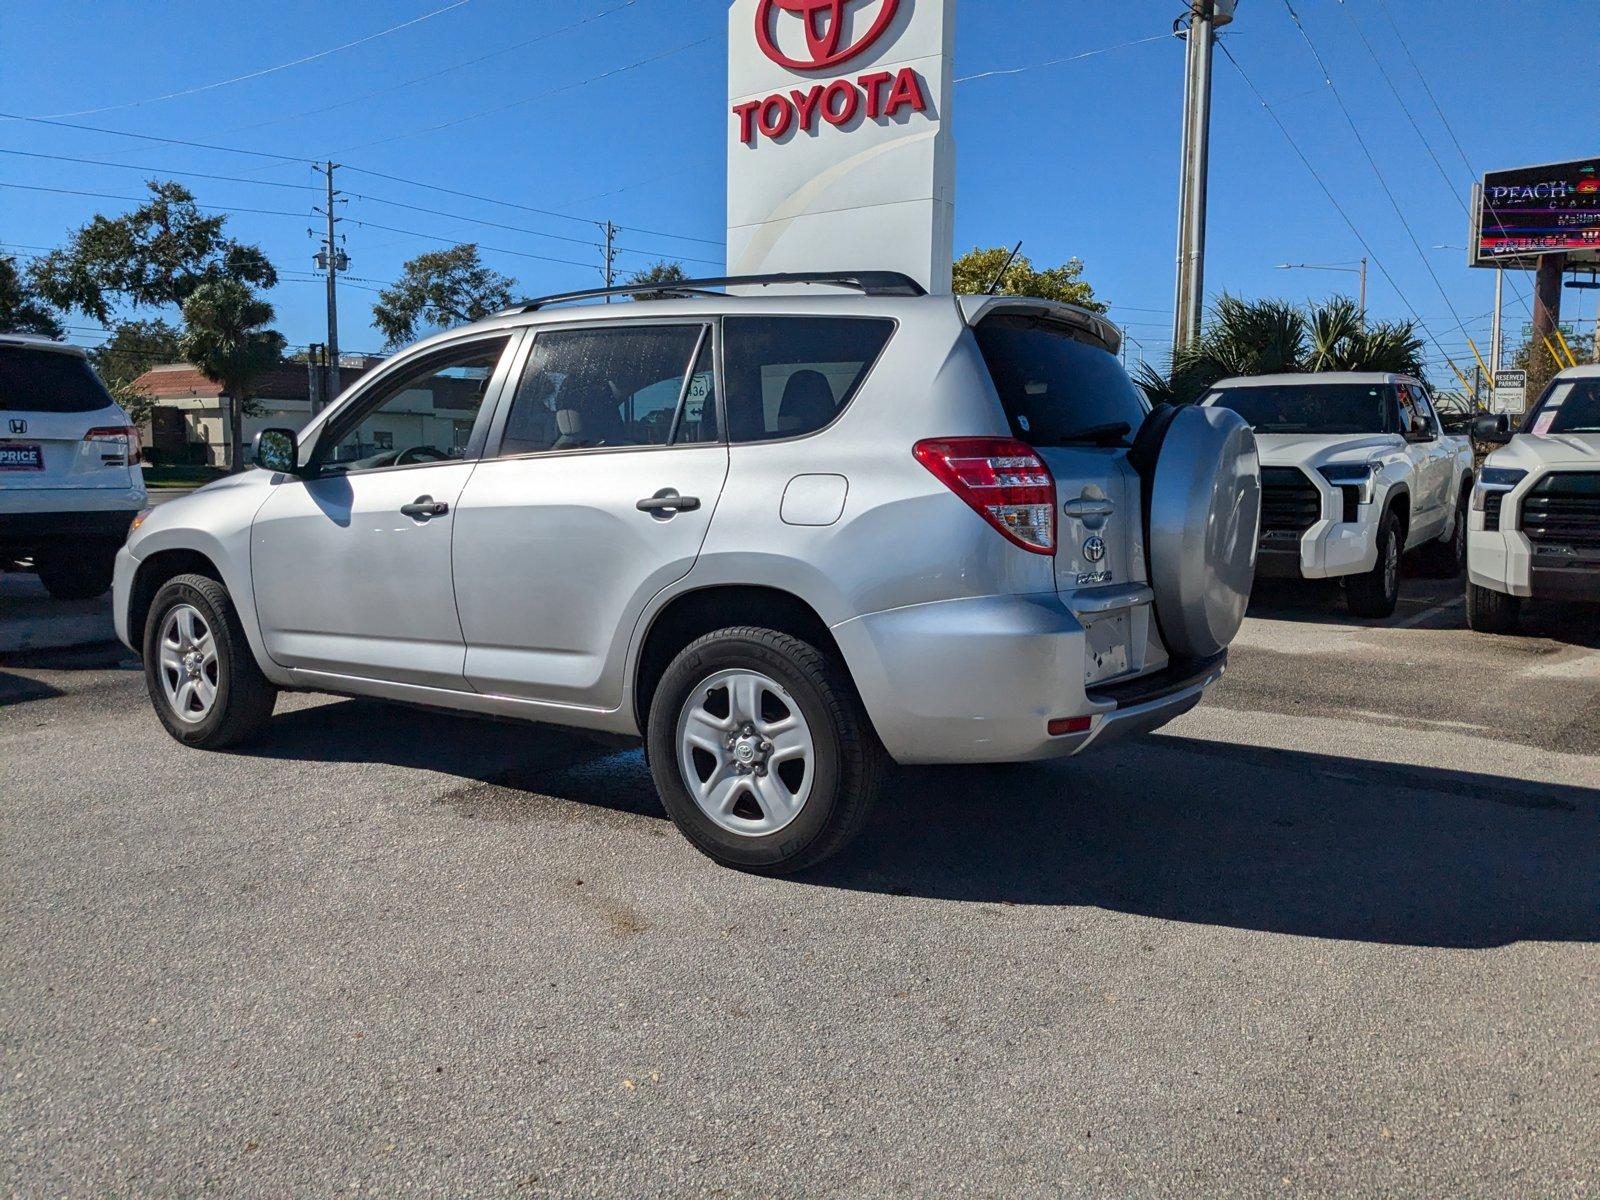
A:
{"x":1054,"y":385}
{"x":47,"y":381}
{"x":789,"y":376}
{"x":1311,"y":408}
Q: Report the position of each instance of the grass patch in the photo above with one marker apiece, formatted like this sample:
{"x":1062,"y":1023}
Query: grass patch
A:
{"x":178,"y":477}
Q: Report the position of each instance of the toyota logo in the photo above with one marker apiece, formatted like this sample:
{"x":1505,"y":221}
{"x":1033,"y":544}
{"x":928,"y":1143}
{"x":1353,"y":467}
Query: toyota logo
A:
{"x":824,"y":22}
{"x":18,"y":425}
{"x":1094,"y":549}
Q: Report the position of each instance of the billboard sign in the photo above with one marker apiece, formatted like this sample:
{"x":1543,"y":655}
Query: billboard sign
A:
{"x":1523,"y":213}
{"x":840,"y":155}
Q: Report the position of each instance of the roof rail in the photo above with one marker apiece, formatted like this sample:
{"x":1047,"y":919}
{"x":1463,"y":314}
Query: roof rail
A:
{"x":869,"y":283}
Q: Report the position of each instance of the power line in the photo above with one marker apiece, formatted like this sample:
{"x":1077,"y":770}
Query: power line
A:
{"x":100,"y":162}
{"x":268,"y":212}
{"x":1056,"y":62}
{"x":566,"y":262}
{"x":150,"y":137}
{"x":206,"y":87}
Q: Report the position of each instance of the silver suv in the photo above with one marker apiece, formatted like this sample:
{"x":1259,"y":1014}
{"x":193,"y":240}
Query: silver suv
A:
{"x":785,"y":536}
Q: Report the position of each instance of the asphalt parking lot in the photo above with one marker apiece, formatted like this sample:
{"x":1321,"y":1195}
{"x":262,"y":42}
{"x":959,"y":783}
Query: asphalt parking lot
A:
{"x":1336,"y":931}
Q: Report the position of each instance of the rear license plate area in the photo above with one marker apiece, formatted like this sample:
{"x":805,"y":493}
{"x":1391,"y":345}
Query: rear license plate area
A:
{"x":1108,"y":647}
{"x":16,"y":456}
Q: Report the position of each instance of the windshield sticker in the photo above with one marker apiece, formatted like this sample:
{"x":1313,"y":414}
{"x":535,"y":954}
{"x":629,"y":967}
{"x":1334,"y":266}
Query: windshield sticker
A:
{"x":1546,"y":419}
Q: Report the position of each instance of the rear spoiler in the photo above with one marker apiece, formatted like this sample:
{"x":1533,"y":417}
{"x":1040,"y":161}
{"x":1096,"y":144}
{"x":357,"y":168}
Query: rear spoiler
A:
{"x":976,"y":308}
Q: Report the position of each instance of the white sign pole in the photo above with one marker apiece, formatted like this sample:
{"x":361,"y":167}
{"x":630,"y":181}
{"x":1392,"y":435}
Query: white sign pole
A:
{"x":840,"y":152}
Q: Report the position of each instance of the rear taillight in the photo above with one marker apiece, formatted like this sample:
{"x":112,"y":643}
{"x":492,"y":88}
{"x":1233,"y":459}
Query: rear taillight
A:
{"x":1003,"y":480}
{"x":118,"y":443}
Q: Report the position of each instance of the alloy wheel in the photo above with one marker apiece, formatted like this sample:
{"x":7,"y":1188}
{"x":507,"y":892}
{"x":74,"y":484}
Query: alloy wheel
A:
{"x":188,"y":665}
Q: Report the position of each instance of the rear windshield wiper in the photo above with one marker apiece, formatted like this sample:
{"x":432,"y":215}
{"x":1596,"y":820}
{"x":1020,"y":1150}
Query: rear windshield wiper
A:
{"x":1110,"y":434}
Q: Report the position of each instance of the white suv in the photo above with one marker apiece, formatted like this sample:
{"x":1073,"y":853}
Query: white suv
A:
{"x":1535,"y":528}
{"x":70,"y":481}
{"x":784,"y":536}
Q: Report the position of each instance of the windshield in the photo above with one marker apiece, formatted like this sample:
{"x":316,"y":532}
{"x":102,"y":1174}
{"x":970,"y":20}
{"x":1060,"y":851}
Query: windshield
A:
{"x":48,"y":381}
{"x":1570,"y":406}
{"x":1311,"y":407}
{"x":1056,"y":387}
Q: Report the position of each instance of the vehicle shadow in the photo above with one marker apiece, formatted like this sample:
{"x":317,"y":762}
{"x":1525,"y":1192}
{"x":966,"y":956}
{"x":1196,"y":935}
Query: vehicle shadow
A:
{"x":1322,"y":601}
{"x":1249,"y":837}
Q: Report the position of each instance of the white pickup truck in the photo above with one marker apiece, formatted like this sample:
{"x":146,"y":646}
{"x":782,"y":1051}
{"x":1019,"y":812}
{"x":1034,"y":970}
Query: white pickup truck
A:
{"x":1535,"y":526}
{"x":1355,"y":471}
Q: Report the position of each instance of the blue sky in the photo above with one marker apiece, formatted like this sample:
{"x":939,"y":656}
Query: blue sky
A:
{"x":621,"y":117}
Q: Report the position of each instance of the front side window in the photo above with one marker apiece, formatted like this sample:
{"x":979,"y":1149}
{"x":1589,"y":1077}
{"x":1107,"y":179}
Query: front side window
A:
{"x":1425,"y":414}
{"x":594,"y":389}
{"x":1315,"y":408}
{"x":789,"y":376}
{"x":416,"y":416}
{"x":1570,"y":406}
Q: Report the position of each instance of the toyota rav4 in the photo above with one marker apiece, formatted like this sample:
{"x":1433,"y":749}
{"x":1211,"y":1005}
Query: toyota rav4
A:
{"x":1536,"y":509}
{"x":785,"y":536}
{"x":1355,"y":471}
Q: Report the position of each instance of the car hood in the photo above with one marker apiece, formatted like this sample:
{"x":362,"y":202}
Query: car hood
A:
{"x":1319,"y":449}
{"x":1531,"y":452}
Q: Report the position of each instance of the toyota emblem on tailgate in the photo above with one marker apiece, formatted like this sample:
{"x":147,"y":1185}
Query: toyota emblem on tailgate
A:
{"x":18,"y":425}
{"x":1094,"y":549}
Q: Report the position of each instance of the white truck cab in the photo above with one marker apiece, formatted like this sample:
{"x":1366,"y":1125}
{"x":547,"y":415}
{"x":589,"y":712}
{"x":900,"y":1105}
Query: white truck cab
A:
{"x":1356,"y":470}
{"x":1535,"y":524}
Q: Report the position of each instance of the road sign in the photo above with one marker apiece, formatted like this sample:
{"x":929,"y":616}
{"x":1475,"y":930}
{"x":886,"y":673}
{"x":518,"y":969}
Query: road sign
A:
{"x":1510,"y":392}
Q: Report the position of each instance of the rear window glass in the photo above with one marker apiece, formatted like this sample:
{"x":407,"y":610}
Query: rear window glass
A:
{"x":1571,"y":406}
{"x":1311,"y":407}
{"x":47,"y":381}
{"x":789,"y":376}
{"x":1055,"y":386}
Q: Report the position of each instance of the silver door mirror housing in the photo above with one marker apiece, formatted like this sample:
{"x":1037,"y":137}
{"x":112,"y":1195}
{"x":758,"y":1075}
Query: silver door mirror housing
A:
{"x":277,"y":450}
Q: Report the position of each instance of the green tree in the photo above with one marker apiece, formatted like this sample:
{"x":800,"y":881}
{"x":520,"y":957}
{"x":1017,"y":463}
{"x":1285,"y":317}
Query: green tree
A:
{"x":21,"y":311}
{"x":131,"y":350}
{"x":1535,"y":359}
{"x":1271,"y":337}
{"x":156,"y":255}
{"x":440,"y":289}
{"x":658,"y":272}
{"x":226,"y":340}
{"x":975,"y":271}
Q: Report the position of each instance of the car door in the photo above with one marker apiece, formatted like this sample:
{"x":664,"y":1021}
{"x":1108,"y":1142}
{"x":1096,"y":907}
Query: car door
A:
{"x":606,"y":465}
{"x":1434,"y":470}
{"x":351,"y":565}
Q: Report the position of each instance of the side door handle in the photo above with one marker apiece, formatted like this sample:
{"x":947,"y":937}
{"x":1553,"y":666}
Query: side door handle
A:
{"x":1088,"y":508}
{"x":667,"y":503}
{"x":424,"y":507}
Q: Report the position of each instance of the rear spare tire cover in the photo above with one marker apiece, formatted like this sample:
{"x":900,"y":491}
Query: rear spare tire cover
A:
{"x":1204,"y":521}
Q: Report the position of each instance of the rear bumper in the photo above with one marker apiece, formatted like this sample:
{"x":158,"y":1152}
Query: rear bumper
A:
{"x":978,"y":680}
{"x":18,"y":529}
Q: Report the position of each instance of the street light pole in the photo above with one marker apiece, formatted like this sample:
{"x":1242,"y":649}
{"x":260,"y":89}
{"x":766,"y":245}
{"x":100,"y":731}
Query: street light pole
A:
{"x":1495,"y":333}
{"x":1360,"y":270}
{"x":1204,"y":17}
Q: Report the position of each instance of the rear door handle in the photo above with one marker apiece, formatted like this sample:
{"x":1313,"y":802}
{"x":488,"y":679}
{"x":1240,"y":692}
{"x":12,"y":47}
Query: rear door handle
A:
{"x":424,"y":507}
{"x":1088,"y":508}
{"x":666,"y":502}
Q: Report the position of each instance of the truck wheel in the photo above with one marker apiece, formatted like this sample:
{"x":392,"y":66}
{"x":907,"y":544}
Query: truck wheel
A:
{"x":77,"y":570}
{"x":1447,"y":559}
{"x":199,"y":669}
{"x":1489,"y":611}
{"x":1375,"y":594}
{"x":761,"y":751}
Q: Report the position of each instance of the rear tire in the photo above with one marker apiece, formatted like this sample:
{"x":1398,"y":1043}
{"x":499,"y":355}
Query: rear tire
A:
{"x":1489,"y":611}
{"x":1375,"y":594}
{"x":770,"y":735}
{"x":76,"y":570}
{"x":202,"y":675}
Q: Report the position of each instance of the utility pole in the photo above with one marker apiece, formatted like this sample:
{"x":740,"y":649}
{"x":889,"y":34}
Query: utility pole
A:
{"x":1204,"y":18}
{"x":332,"y":260}
{"x":611,"y":256}
{"x":1496,"y":333}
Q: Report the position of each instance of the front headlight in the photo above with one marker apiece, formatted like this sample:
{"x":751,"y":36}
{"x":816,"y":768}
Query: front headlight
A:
{"x":1356,"y":476}
{"x":1495,"y":480}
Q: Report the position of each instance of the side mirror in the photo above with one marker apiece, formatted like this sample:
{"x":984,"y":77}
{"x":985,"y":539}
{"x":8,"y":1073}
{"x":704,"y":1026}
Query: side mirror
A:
{"x":277,"y":450}
{"x":1494,"y":428}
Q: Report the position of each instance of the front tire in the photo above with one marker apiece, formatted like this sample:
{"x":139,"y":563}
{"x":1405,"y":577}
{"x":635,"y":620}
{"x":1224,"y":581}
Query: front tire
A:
{"x":199,"y":669}
{"x":1489,"y":611}
{"x":78,"y":570}
{"x":1375,"y":594}
{"x":761,"y":752}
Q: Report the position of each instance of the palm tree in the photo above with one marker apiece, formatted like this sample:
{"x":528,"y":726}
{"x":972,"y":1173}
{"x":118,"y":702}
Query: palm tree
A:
{"x":226,"y":341}
{"x":1269,"y":337}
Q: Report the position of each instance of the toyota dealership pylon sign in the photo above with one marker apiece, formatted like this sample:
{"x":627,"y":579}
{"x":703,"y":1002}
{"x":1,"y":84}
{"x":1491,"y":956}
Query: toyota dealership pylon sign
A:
{"x":840,"y":154}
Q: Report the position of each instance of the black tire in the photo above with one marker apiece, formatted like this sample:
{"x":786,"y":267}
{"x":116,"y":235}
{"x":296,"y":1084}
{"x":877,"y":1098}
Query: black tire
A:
{"x":244,"y":697}
{"x":1489,"y":611}
{"x":849,"y":758}
{"x":1375,"y":594}
{"x":1448,"y":559}
{"x":76,"y":570}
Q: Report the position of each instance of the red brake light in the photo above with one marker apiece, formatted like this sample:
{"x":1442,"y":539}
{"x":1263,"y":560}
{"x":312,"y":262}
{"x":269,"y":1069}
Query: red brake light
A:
{"x":120,"y":441}
{"x":1003,"y":480}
